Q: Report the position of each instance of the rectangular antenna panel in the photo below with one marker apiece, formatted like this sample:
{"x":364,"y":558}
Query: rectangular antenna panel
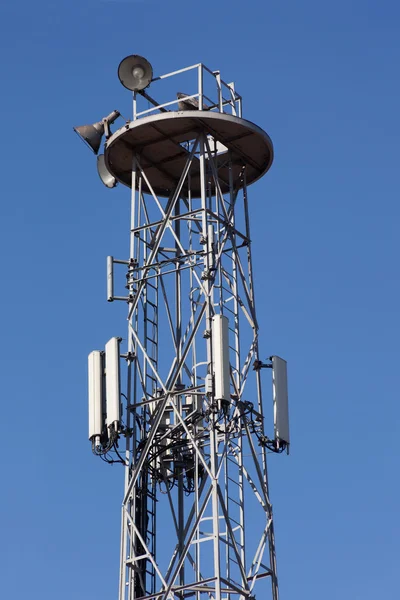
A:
{"x":221,"y":364}
{"x":95,"y":380}
{"x":280,"y":396}
{"x":113,"y":386}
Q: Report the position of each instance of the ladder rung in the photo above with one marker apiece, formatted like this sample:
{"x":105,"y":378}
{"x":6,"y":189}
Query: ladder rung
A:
{"x":228,"y":309}
{"x":232,"y":500}
{"x":229,"y":544}
{"x":233,"y":481}
{"x":237,"y":522}
{"x":149,"y":284}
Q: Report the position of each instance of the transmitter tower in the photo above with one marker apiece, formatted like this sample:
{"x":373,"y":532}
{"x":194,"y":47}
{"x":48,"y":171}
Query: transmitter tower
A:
{"x":179,"y":401}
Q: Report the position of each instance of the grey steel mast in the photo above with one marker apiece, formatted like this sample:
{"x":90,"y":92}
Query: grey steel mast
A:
{"x":196,"y":516}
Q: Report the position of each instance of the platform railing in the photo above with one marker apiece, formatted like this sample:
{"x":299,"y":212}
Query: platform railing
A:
{"x":226,"y":99}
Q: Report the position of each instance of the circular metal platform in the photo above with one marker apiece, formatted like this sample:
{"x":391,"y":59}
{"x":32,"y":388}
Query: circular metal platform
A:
{"x":159,"y":141}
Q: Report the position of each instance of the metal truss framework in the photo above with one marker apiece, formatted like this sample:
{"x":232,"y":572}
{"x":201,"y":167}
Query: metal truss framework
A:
{"x":193,"y":461}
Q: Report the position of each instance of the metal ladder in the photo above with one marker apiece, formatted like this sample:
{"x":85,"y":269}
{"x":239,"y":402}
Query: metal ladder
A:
{"x":234,"y":506}
{"x":150,"y":330}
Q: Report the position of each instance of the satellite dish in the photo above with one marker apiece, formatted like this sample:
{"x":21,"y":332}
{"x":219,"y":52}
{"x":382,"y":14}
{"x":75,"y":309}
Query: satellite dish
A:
{"x":135,"y":73}
{"x":104,"y":174}
{"x":91,"y":135}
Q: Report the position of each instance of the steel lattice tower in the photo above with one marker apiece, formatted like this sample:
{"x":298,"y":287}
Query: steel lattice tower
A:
{"x":196,"y":514}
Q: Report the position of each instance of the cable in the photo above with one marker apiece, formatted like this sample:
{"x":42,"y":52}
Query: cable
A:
{"x":119,"y":456}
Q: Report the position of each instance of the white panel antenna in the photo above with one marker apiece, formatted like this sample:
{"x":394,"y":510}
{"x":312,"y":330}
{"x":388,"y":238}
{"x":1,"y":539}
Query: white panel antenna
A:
{"x":280,"y":397}
{"x":113,"y":386}
{"x":95,"y":380}
{"x":220,"y":349}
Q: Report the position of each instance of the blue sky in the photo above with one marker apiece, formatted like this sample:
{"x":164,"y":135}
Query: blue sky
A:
{"x":322,"y":79}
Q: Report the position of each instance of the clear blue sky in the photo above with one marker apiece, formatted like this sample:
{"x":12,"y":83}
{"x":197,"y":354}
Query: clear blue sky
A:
{"x":323,"y":79}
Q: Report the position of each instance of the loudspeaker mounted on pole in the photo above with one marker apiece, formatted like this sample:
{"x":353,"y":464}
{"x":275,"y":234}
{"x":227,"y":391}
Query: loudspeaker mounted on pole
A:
{"x":104,"y":174}
{"x":92,"y":134}
{"x":135,"y":73}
